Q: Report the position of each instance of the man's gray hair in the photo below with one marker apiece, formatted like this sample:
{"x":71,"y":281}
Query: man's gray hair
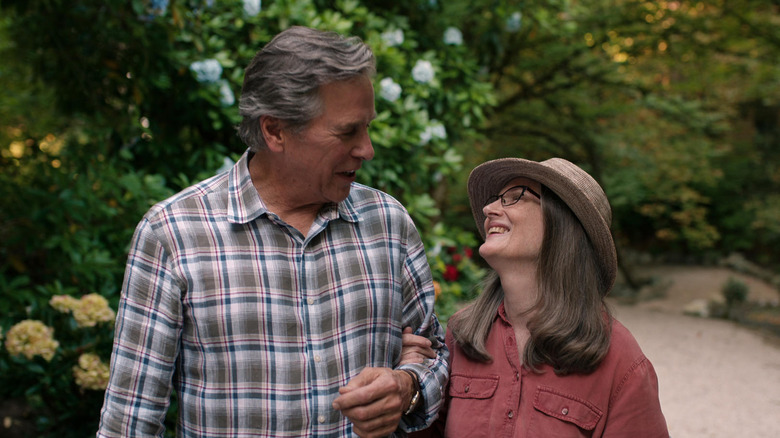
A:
{"x":284,"y":78}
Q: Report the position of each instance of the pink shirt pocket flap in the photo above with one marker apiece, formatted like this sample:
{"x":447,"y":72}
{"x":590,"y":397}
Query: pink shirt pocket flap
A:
{"x":481,"y":387}
{"x":567,"y":408}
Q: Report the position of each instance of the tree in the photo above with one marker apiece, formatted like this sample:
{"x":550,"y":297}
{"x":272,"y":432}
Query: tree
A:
{"x":670,"y":105}
{"x":142,"y":98}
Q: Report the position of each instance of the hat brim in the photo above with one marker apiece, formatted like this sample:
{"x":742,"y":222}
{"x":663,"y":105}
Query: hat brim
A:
{"x":573,"y":185}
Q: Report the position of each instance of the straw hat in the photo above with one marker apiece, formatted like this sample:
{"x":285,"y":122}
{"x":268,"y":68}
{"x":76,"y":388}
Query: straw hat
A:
{"x":573,"y":185}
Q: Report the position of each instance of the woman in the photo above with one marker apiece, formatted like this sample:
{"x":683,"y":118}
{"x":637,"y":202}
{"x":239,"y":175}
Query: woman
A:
{"x":538,"y":353}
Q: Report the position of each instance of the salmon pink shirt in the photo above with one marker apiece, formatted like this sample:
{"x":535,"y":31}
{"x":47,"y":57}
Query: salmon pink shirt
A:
{"x":504,"y":399}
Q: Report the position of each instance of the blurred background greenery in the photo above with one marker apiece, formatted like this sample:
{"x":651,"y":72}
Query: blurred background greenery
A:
{"x":109,"y":106}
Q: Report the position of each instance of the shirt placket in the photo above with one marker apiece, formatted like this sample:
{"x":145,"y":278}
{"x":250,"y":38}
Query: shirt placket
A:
{"x":512,"y":406}
{"x":311,"y":303}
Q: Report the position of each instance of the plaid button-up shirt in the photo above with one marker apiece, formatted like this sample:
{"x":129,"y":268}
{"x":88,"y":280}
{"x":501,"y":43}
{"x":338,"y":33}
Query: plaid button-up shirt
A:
{"x":256,"y":326}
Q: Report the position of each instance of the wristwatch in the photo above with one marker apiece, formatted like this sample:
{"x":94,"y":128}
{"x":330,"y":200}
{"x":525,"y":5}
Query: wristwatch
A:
{"x":417,"y":396}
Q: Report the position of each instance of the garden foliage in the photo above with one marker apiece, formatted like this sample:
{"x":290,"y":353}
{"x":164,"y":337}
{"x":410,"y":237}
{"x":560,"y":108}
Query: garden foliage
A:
{"x":109,"y":106}
{"x":140,"y":100}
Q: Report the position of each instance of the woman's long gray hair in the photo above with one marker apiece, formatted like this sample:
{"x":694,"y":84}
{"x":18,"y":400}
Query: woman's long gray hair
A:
{"x":283,"y":79}
{"x":569,"y":324}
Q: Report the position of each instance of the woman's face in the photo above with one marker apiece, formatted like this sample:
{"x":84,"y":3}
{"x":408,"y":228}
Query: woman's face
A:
{"x":513,"y":233}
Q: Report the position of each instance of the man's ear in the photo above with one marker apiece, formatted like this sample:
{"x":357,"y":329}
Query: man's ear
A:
{"x":273,"y":132}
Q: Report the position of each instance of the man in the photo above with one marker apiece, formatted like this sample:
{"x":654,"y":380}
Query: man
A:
{"x":272,"y":297}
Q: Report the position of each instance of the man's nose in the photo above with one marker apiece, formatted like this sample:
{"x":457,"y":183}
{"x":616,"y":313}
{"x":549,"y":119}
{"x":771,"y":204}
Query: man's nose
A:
{"x":364,"y":148}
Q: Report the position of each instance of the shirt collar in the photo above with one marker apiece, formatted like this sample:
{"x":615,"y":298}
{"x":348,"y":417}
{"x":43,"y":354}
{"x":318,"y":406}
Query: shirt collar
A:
{"x":245,"y":204}
{"x":346,"y":209}
{"x":502,"y":313}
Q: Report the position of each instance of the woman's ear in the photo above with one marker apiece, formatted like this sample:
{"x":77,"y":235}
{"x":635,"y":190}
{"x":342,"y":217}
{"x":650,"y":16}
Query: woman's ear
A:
{"x":273,"y":132}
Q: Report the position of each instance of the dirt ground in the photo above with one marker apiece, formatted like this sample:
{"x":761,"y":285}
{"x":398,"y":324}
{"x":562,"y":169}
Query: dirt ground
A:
{"x":716,"y":379}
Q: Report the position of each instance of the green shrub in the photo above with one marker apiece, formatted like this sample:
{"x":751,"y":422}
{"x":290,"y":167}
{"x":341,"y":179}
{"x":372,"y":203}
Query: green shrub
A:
{"x":131,"y":121}
{"x":735,"y":292}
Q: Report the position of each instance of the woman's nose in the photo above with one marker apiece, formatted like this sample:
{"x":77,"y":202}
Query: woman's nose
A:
{"x":492,"y":208}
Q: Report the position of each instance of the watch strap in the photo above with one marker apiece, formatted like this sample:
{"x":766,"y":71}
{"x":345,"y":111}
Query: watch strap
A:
{"x":416,"y":395}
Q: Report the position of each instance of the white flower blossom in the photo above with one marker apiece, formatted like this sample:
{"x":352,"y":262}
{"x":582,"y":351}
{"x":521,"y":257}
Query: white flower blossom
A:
{"x":453,"y":36}
{"x":226,"y":97}
{"x":252,"y":7}
{"x":514,"y":22}
{"x":207,"y":71}
{"x":393,"y":37}
{"x":158,"y":7}
{"x":227,"y":164}
{"x":389,"y":90}
{"x":422,"y":71}
{"x":434,"y":130}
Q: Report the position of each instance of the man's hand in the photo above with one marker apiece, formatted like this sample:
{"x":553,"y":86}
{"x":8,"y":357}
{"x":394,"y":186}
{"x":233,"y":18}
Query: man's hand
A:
{"x":374,"y":401}
{"x":415,"y":348}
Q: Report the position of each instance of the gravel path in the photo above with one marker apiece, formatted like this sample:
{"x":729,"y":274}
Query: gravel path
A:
{"x":716,"y":379}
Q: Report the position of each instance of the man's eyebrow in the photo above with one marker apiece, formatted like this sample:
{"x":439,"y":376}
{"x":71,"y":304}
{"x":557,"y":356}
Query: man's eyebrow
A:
{"x":349,"y":125}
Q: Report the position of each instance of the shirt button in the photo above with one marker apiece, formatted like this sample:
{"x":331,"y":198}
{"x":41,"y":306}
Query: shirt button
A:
{"x":310,"y":301}
{"x":317,"y":358}
{"x":565,"y":411}
{"x":321,"y":418}
{"x":517,"y":376}
{"x":510,"y":414}
{"x":466,"y":389}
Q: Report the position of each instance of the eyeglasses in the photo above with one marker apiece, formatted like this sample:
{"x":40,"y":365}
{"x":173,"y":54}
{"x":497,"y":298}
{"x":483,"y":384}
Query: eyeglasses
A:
{"x":511,"y":196}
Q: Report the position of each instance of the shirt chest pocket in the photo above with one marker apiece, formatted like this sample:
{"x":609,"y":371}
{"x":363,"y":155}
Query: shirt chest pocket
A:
{"x":559,"y":413}
{"x":472,"y":387}
{"x":471,"y":401}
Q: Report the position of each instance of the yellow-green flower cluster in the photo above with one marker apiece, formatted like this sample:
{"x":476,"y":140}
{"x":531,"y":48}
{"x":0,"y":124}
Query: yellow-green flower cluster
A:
{"x":63,"y":303}
{"x":91,"y":372}
{"x":31,"y":338}
{"x":88,"y":311}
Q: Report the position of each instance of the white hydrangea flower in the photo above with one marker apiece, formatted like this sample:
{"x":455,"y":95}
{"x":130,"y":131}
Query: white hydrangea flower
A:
{"x":514,"y":22}
{"x":252,"y":7}
{"x":158,"y":7}
{"x":206,"y":71}
{"x":227,"y":164}
{"x":393,"y":37}
{"x":434,"y":130}
{"x":389,"y":90}
{"x":423,"y":71}
{"x":453,"y":36}
{"x":226,"y":97}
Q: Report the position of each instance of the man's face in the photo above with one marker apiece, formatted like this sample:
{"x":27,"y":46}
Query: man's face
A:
{"x":323,"y":159}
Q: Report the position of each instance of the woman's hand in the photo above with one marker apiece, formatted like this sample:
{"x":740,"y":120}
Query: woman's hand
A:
{"x":416,"y":349}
